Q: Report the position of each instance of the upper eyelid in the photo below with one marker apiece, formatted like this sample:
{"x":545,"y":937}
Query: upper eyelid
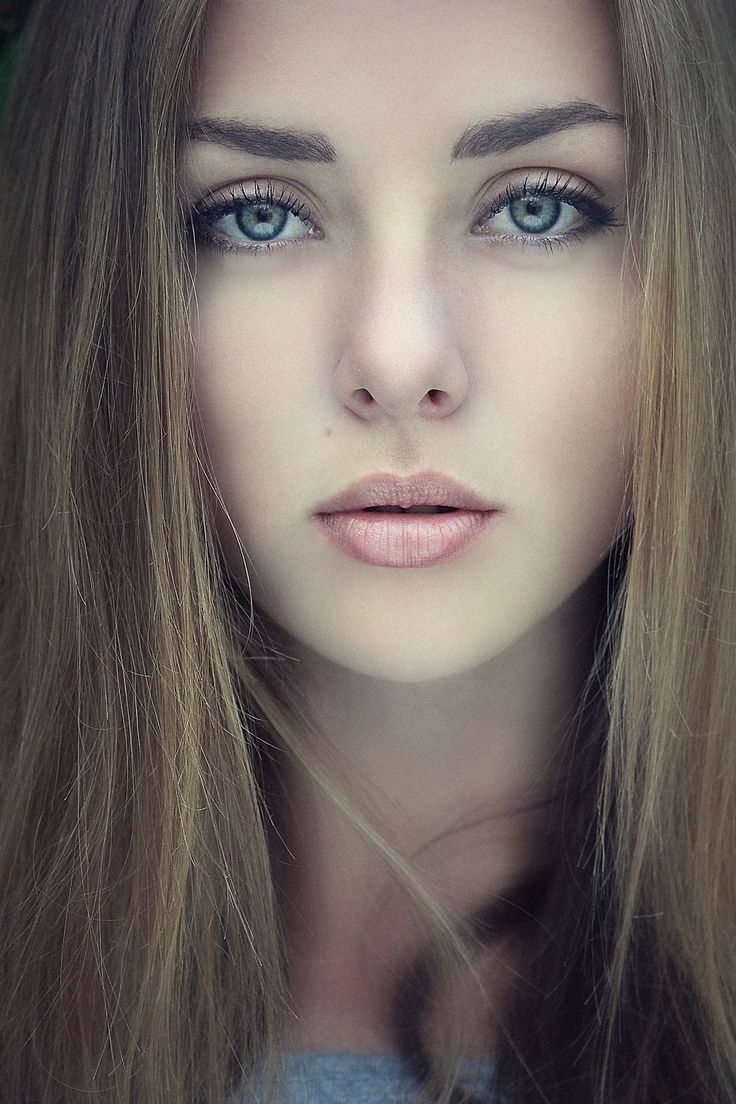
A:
{"x":248,"y":190}
{"x":491,"y":192}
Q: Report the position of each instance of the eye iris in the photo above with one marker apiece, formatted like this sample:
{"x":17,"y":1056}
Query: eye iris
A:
{"x":258,"y":219}
{"x":543,"y":210}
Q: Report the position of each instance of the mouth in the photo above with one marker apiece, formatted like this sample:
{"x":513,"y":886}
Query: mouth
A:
{"x":409,"y":509}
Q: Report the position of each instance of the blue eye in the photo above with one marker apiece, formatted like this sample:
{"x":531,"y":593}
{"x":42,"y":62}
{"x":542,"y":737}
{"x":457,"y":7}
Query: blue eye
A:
{"x":260,"y":215}
{"x":524,"y":214}
{"x":541,"y":207}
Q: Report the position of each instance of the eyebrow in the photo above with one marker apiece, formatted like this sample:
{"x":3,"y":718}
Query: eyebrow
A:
{"x":499,"y":135}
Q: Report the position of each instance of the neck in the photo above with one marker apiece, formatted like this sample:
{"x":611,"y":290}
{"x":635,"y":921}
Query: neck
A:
{"x":464,"y":778}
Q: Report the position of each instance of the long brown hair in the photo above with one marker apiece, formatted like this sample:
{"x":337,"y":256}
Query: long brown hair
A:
{"x":142,"y":698}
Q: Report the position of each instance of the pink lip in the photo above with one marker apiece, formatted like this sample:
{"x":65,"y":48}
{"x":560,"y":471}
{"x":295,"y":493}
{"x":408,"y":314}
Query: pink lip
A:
{"x":404,"y":540}
{"x":428,"y":488}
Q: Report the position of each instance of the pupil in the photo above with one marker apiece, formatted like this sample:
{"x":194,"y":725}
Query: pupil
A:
{"x":261,"y":221}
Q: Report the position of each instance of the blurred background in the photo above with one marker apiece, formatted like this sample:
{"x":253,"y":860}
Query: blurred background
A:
{"x":13,"y":14}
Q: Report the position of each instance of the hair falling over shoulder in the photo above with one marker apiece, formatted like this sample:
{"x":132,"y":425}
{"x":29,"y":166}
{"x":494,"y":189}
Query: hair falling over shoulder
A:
{"x":141,"y":949}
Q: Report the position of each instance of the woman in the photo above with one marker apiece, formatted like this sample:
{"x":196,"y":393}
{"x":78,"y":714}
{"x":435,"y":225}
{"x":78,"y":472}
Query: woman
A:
{"x":292,"y":770}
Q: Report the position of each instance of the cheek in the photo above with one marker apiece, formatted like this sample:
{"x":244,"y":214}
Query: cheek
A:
{"x":579,"y":403}
{"x":580,"y":450}
{"x":563,"y":389}
{"x":248,"y":390}
{"x":571,"y":339}
{"x":236,"y":403}
{"x":251,"y":339}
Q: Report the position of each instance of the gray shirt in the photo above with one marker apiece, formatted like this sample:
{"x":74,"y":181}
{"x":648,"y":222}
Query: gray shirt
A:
{"x":347,"y":1077}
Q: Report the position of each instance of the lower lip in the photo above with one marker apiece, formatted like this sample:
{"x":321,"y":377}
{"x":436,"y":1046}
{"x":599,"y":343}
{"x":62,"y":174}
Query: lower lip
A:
{"x":405,"y":540}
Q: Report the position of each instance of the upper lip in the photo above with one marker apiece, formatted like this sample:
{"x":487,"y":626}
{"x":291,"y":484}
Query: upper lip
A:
{"x":428,"y":488}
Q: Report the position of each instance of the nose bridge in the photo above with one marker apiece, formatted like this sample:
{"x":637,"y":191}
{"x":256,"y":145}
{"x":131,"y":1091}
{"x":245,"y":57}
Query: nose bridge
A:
{"x":398,"y":319}
{"x":396,"y":290}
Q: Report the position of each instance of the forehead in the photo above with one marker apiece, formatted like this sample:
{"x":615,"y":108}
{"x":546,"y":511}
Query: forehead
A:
{"x":381,"y":73}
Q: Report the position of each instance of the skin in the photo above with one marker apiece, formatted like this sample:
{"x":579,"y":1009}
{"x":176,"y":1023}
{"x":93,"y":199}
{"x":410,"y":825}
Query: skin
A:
{"x":445,"y":692}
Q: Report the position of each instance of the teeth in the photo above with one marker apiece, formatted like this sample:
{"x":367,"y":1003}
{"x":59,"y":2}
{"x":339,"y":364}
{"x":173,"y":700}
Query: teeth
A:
{"x":410,"y":509}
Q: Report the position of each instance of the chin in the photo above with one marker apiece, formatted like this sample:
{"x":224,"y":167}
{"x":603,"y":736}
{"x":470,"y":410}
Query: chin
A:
{"x":407,"y":669}
{"x":414,"y":656}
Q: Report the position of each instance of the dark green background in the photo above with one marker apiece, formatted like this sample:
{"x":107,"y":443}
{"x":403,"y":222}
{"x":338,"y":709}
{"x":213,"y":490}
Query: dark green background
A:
{"x":7,"y":59}
{"x":13,"y":15}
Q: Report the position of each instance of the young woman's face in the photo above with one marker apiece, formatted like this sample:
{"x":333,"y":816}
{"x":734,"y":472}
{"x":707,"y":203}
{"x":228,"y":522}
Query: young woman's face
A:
{"x":427,"y":315}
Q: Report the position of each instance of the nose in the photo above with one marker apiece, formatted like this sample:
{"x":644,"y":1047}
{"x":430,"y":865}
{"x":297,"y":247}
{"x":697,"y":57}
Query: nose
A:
{"x":399,"y":359}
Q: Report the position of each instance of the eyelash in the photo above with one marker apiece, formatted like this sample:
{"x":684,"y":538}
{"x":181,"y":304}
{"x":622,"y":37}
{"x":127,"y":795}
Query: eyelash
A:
{"x":598,"y":217}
